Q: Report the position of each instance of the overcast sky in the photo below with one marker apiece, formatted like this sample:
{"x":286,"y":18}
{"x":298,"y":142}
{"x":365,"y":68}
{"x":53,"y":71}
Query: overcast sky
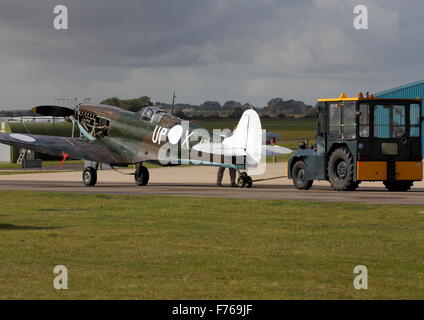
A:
{"x":246,"y":50}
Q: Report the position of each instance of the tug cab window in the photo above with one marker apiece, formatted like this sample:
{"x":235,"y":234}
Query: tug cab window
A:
{"x":342,"y":120}
{"x":389,"y":121}
{"x":364,"y":120}
{"x":321,"y":123}
{"x":349,"y":120}
{"x":335,"y":120}
{"x":414,"y":116}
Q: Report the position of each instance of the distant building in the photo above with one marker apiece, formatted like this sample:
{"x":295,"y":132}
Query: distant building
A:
{"x":408,"y":91}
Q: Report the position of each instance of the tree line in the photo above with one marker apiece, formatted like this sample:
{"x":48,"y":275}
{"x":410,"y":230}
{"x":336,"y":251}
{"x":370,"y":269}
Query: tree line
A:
{"x":275,"y":108}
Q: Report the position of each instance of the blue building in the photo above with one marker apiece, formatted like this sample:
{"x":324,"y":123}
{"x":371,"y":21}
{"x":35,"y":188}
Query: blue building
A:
{"x":408,"y":91}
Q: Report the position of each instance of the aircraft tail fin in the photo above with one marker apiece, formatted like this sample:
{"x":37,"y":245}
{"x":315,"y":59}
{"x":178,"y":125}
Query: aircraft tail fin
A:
{"x":246,"y":141}
{"x":247,"y":136}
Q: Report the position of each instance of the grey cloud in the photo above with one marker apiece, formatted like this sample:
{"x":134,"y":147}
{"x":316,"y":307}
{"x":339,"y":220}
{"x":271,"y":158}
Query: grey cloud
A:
{"x":247,"y":50}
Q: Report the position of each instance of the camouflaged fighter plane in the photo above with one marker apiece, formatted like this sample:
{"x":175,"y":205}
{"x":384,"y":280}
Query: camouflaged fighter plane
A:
{"x":119,"y":138}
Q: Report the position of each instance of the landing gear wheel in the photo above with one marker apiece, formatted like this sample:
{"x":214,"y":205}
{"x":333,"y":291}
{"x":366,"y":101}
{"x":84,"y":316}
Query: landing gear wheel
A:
{"x":89,"y":176}
{"x":340,"y":170}
{"x":141,"y":175}
{"x":244,"y":180}
{"x":299,"y":174}
{"x":241,"y":182}
{"x":249,"y":182}
{"x":398,"y":185}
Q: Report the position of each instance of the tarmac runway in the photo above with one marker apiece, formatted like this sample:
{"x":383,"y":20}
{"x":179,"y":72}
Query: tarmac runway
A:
{"x":199,"y":182}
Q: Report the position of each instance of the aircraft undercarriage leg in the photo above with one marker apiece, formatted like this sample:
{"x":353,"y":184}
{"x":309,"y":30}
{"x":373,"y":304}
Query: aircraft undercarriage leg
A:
{"x":244,"y":180}
{"x":141,"y":174}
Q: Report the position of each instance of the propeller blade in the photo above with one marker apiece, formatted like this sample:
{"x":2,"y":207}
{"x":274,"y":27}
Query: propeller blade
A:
{"x":55,"y":111}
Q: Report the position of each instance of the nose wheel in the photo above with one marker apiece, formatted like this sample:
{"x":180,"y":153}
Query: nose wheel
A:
{"x":244,"y":181}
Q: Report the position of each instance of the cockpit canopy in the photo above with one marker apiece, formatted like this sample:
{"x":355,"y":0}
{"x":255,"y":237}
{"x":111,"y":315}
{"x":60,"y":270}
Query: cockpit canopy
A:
{"x":149,"y":113}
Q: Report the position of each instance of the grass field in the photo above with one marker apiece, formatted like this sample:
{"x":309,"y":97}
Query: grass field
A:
{"x":30,"y":171}
{"x":197,"y":248}
{"x":8,"y":165}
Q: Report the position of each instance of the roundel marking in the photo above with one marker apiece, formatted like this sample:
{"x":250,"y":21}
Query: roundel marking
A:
{"x":175,"y":134}
{"x":22,"y":137}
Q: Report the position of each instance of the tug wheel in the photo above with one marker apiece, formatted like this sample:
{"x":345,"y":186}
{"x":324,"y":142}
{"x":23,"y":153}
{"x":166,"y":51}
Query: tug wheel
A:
{"x":398,"y":185}
{"x":299,"y":174}
{"x":340,"y":170}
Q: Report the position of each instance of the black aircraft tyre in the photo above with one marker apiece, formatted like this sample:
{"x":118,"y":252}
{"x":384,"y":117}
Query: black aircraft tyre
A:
{"x":244,"y":180}
{"x":141,"y":175}
{"x":241,"y":181}
{"x":299,"y":173}
{"x":89,"y":176}
{"x":340,"y":170}
{"x":249,"y":182}
{"x":400,"y":186}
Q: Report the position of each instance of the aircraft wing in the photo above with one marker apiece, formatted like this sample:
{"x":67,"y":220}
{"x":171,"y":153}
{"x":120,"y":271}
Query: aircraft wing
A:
{"x":57,"y":146}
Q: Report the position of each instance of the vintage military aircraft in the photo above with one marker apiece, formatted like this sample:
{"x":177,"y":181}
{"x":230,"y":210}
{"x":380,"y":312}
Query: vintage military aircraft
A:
{"x":119,"y":138}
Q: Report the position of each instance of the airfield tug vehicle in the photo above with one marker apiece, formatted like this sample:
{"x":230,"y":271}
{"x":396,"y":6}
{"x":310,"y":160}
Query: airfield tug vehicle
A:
{"x":362,"y":139}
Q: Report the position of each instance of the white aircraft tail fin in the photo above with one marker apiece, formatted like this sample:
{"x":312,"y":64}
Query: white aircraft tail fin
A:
{"x":248,"y":141}
{"x":248,"y":137}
